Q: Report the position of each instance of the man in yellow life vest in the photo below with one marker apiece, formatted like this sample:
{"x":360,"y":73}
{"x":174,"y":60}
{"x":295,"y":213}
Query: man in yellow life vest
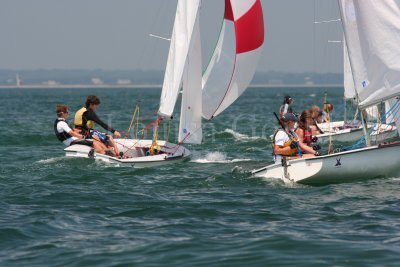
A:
{"x":285,"y":140}
{"x":85,"y":120}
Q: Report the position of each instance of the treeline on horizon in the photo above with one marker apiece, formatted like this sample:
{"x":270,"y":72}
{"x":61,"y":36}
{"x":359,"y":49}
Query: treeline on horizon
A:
{"x":140,"y":77}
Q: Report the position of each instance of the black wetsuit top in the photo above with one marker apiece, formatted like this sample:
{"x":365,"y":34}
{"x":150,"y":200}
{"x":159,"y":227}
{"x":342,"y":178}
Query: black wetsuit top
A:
{"x":89,"y":114}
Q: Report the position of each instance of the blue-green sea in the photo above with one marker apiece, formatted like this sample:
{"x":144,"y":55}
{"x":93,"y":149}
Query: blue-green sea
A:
{"x":209,"y":211}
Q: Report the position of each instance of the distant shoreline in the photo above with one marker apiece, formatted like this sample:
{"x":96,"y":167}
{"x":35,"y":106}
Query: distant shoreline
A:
{"x":157,"y":86}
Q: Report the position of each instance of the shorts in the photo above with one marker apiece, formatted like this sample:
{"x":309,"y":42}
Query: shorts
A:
{"x":102,"y":136}
{"x":84,"y":142}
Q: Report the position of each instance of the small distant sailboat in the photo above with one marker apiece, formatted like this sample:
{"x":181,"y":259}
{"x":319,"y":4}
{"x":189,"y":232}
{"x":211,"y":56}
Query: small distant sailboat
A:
{"x":375,"y":65}
{"x":18,"y":80}
{"x":228,"y":74}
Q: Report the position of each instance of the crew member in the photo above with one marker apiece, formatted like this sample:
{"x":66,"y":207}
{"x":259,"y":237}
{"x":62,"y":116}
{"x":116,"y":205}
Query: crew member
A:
{"x":286,"y":142}
{"x":64,"y":132}
{"x":85,"y":120}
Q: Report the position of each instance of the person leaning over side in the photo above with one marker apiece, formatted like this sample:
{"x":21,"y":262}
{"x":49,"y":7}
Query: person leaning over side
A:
{"x":65,"y":133}
{"x":85,"y":120}
{"x":285,"y":140}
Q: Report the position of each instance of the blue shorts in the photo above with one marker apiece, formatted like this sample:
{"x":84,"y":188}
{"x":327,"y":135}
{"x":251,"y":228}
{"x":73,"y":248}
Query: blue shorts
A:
{"x":102,"y":136}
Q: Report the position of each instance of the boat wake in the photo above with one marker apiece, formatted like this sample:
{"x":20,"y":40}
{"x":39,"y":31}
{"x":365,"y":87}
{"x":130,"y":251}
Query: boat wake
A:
{"x":216,"y":157}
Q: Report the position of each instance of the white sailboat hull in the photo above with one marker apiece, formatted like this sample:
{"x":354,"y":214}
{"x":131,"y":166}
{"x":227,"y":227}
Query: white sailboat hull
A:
{"x":354,"y":134}
{"x":137,"y":151}
{"x":359,"y":164}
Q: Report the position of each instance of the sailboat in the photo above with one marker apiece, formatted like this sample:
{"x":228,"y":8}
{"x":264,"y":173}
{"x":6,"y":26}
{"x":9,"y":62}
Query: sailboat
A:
{"x":227,"y":76}
{"x":352,"y":131}
{"x":375,"y":65}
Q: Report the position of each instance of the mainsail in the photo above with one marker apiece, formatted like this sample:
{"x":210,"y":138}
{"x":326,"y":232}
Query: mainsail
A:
{"x":372,"y":31}
{"x":235,"y":58}
{"x":190,"y":130}
{"x":185,"y":19}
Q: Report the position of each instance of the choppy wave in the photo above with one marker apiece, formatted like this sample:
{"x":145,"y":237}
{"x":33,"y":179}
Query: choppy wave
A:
{"x":216,"y":157}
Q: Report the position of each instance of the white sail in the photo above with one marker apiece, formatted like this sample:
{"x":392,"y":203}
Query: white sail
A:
{"x":235,"y":58}
{"x":349,"y":91}
{"x":372,"y":30}
{"x":185,"y":18}
{"x":190,"y":130}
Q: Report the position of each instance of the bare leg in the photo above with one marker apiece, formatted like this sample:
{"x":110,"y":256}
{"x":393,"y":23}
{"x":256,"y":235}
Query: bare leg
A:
{"x":98,"y":146}
{"x":113,"y":144}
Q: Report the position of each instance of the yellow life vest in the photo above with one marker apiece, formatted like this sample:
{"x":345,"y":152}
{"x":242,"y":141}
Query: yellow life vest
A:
{"x":78,"y":119}
{"x":291,"y":152}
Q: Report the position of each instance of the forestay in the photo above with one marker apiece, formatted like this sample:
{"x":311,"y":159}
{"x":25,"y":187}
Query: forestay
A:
{"x":235,"y":58}
{"x":372,"y":30}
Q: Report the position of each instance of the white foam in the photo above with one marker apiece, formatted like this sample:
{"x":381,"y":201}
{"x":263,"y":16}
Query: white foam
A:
{"x":241,"y":137}
{"x":50,"y":160}
{"x":217,"y":157}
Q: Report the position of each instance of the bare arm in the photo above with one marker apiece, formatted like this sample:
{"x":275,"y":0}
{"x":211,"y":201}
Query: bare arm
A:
{"x":76,"y":134}
{"x":280,"y":150}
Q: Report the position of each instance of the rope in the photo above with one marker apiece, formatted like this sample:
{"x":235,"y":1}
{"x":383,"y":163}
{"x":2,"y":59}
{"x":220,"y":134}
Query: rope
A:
{"x":168,"y":130}
{"x":137,"y":124}
{"x":133,"y":118}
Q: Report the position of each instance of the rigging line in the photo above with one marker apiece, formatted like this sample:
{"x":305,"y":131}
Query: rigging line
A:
{"x":133,"y":119}
{"x":393,"y":110}
{"x":137,"y":124}
{"x":159,"y":37}
{"x":227,"y":90}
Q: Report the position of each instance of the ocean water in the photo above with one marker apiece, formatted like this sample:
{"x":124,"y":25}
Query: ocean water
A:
{"x":209,"y":211}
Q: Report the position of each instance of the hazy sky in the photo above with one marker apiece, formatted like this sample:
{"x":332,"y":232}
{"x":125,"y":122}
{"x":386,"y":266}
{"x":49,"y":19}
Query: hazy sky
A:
{"x":105,"y":34}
